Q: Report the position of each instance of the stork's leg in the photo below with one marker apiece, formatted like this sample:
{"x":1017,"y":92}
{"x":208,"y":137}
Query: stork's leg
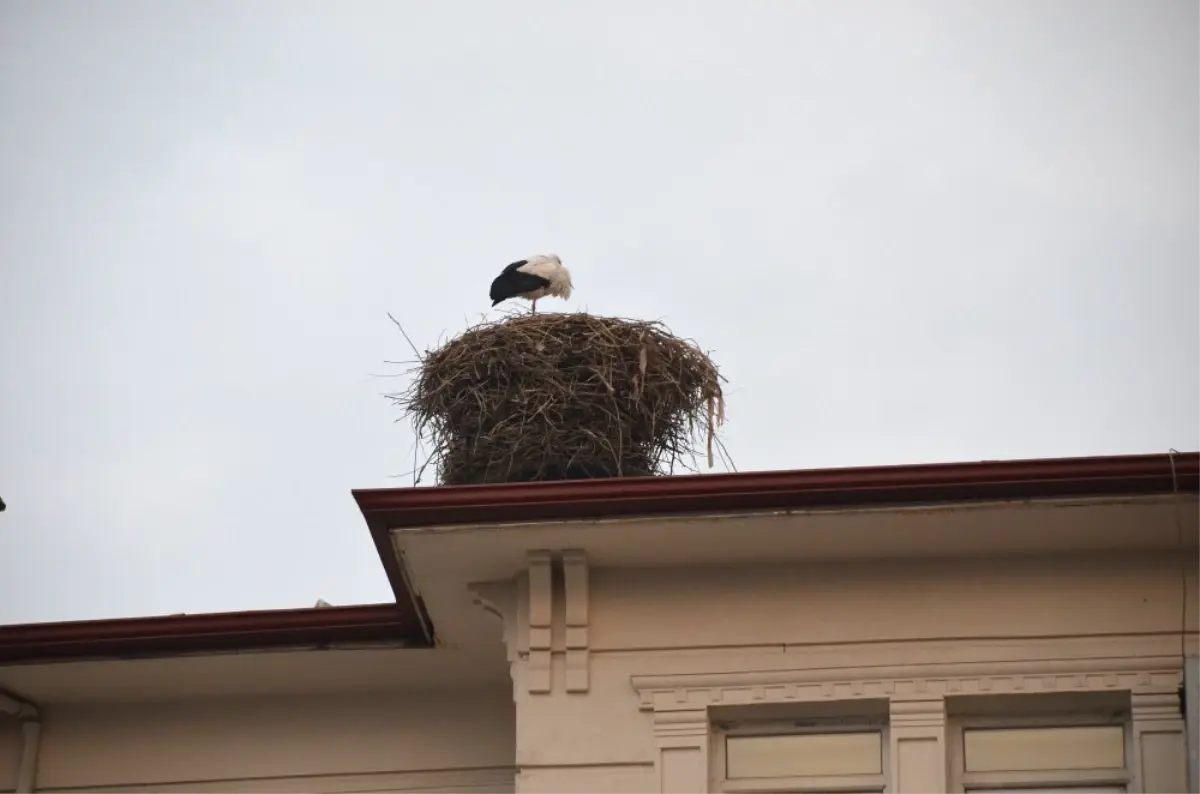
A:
{"x":534,"y":309}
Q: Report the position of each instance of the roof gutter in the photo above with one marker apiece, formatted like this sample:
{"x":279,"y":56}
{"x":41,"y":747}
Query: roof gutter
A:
{"x":387,"y":509}
{"x":31,"y":734}
{"x":208,"y":633}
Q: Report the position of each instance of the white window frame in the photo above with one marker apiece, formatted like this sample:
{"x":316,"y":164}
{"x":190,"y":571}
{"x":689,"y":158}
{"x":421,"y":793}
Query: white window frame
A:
{"x":803,"y":784}
{"x":962,"y":781}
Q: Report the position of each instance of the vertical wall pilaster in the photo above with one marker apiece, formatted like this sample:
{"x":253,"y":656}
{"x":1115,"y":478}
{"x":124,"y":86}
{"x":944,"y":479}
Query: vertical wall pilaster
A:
{"x":917,"y":750}
{"x":1159,"y":743}
{"x":681,"y":761}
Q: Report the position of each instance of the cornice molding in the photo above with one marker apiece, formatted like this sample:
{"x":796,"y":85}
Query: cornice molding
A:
{"x":692,"y":691}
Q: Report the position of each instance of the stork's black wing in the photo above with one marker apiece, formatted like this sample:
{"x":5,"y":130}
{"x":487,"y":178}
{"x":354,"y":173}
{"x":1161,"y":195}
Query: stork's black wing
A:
{"x":513,"y":282}
{"x":514,"y":266}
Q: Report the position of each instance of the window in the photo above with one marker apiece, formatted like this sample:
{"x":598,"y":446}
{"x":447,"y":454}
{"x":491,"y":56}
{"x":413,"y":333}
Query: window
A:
{"x":814,"y":755}
{"x":1070,"y":752}
{"x":798,"y":754}
{"x":1041,"y":749}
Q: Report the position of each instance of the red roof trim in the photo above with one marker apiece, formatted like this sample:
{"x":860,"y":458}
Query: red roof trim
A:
{"x":387,"y":509}
{"x":168,"y":634}
{"x":394,"y":508}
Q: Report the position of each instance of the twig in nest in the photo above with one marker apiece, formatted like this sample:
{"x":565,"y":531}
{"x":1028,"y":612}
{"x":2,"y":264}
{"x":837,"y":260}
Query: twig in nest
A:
{"x":416,"y":352}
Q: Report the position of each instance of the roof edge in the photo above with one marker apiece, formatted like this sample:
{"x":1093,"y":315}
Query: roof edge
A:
{"x":209,"y":632}
{"x":395,"y":508}
{"x":403,"y":622}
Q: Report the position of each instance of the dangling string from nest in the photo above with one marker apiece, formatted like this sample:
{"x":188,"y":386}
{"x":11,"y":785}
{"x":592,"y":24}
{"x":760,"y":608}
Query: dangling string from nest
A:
{"x":716,"y":405}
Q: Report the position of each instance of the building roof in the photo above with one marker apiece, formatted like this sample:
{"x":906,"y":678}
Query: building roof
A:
{"x":387,"y":509}
{"x":220,"y":631}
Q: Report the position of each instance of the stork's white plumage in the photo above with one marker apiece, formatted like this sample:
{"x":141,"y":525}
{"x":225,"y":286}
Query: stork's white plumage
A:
{"x":531,"y":279}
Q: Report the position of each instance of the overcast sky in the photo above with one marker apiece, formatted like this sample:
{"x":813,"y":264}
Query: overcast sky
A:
{"x":907,"y":231}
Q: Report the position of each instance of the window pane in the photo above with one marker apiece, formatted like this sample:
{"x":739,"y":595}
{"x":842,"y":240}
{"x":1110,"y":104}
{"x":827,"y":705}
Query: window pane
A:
{"x":1033,"y":749}
{"x":804,"y":754}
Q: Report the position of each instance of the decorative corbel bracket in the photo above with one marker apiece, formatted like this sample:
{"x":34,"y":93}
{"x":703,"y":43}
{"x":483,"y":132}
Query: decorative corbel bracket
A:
{"x":575,"y":597}
{"x":545,"y":615}
{"x":539,"y":614}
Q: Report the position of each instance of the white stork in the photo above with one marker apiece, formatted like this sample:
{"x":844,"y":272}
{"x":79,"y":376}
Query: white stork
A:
{"x":531,"y":279}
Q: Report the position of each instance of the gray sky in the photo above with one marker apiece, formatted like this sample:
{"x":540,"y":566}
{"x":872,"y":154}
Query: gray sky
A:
{"x":909,"y":232}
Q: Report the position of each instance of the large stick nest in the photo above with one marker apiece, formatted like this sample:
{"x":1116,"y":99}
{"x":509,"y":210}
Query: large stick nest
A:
{"x":564,"y":396}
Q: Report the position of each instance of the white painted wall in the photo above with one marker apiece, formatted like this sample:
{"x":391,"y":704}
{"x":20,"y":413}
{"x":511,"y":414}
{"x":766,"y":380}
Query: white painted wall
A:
{"x":738,"y":622}
{"x":457,"y":741}
{"x":1057,"y":612}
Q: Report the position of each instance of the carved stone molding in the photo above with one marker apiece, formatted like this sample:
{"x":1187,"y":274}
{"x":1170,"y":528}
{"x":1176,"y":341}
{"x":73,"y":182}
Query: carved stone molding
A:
{"x":692,"y":691}
{"x":923,"y":712}
{"x":1155,"y":705}
{"x":670,"y":725}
